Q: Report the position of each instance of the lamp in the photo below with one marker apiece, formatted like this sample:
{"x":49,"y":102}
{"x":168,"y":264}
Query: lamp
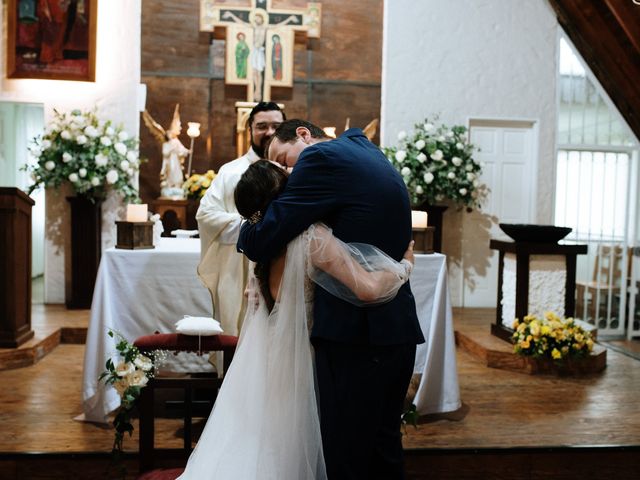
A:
{"x":330,"y":131}
{"x":193,"y":131}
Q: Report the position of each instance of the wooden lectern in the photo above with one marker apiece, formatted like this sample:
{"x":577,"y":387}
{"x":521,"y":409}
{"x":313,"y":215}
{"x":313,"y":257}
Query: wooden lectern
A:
{"x":15,"y":267}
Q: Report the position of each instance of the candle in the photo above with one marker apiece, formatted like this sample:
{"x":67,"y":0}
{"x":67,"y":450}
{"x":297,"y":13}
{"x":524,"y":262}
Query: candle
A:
{"x":137,"y":212}
{"x":418,"y":219}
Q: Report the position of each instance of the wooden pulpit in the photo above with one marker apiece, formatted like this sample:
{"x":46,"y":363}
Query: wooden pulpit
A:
{"x":15,"y":267}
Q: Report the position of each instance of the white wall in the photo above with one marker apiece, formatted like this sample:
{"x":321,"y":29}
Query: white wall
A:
{"x":472,"y":59}
{"x":115,"y":93}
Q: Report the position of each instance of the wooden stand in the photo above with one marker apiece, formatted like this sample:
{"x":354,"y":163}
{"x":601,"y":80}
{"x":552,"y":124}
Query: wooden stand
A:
{"x":175,"y":214}
{"x":135,"y":235}
{"x":423,"y":238}
{"x":15,"y":267}
{"x":86,"y":249}
{"x":523,"y":251}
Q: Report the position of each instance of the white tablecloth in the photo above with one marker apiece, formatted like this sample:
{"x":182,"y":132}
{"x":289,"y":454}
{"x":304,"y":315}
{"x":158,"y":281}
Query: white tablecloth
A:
{"x":139,"y":292}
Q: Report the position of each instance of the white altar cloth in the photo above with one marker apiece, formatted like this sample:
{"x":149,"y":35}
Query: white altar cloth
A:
{"x":139,"y":292}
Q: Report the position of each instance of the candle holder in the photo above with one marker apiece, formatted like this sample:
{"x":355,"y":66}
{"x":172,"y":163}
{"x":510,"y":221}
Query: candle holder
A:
{"x":423,"y":238}
{"x":134,"y":235}
{"x":193,"y":132}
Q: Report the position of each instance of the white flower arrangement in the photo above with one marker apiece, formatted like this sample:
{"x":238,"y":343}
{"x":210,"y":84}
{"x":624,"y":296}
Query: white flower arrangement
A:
{"x":89,"y":153}
{"x":132,"y":372}
{"x":436,"y":164}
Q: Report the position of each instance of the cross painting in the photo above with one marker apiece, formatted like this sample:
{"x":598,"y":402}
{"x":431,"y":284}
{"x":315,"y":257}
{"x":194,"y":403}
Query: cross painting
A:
{"x":259,"y":41}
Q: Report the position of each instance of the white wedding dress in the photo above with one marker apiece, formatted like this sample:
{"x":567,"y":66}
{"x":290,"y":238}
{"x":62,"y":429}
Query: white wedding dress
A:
{"x":265,"y":425}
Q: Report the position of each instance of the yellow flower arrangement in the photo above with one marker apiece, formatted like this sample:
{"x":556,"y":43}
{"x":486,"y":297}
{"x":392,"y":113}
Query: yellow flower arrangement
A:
{"x":197,"y":184}
{"x":550,"y":337}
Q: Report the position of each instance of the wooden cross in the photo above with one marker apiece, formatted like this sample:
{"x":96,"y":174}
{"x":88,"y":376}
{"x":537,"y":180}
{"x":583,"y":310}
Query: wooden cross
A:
{"x":259,"y":41}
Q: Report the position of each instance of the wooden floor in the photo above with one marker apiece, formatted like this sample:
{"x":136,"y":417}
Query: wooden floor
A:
{"x":508,"y":419}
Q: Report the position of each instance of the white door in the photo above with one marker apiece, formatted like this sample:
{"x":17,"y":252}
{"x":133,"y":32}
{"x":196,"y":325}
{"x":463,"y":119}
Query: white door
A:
{"x":507,"y":149}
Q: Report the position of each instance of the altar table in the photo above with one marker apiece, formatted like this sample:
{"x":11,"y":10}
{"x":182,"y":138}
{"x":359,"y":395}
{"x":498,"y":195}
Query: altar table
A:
{"x":139,"y":292}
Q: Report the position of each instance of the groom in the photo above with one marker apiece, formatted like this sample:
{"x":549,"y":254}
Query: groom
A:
{"x":364,"y":355}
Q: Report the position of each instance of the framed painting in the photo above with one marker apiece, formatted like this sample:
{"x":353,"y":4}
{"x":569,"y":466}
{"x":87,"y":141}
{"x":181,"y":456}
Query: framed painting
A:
{"x":52,"y":39}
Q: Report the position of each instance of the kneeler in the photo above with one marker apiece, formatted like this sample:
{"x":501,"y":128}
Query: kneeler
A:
{"x":175,"y":342}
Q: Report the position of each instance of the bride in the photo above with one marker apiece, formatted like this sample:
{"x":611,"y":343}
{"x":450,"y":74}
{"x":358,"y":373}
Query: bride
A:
{"x":265,"y":424}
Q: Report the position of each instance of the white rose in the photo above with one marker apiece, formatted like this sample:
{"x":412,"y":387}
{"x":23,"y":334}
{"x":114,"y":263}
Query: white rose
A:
{"x":106,"y":141}
{"x":91,"y":131}
{"x":82,"y":172}
{"x":441,"y":138}
{"x":451,"y":175}
{"x":121,"y":386}
{"x":457,"y":161}
{"x":437,"y":155}
{"x":66,"y":157}
{"x":428,"y":177}
{"x":95,"y":181}
{"x":421,"y":157}
{"x":73,"y":177}
{"x":406,"y":171}
{"x":112,"y":176}
{"x":463,"y":191}
{"x":449,"y":134}
{"x":50,"y":165}
{"x":420,"y":144}
{"x":36,"y":151}
{"x":402,"y":135}
{"x":459,"y":146}
{"x":470,"y":176}
{"x":143,"y":363}
{"x":65,"y":135}
{"x":81,"y":139}
{"x":45,"y":144}
{"x":137,"y":379}
{"x":122,"y":136}
{"x":132,"y":156}
{"x":476,"y":183}
{"x":469,"y":167}
{"x":101,"y":160}
{"x":419,"y":190}
{"x":109,"y":131}
{"x":124,"y":368}
{"x":121,"y":148}
{"x":124,"y":165}
{"x":130,"y":171}
{"x":428,"y":127}
{"x":401,"y":155}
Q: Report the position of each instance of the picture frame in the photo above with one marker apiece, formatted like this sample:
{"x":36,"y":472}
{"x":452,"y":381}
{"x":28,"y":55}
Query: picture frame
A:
{"x":52,"y":39}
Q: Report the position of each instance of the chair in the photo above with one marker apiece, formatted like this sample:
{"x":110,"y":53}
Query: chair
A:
{"x":176,"y":342}
{"x":592,"y":298}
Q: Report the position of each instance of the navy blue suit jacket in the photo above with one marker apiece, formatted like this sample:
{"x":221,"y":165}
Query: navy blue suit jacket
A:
{"x":350,"y":185}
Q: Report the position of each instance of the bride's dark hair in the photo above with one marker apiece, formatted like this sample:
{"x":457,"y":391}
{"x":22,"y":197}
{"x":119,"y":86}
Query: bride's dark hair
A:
{"x":259,"y":184}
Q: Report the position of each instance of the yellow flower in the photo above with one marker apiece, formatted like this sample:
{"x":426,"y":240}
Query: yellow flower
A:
{"x":555,"y":353}
{"x":525,"y":344}
{"x":545,"y":330}
{"x":194,"y":188}
{"x":534,"y":327}
{"x":516,"y":322}
{"x":206,"y":183}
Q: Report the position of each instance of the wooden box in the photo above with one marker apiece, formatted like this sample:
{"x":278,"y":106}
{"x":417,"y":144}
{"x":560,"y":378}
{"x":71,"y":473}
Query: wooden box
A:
{"x":135,"y":235}
{"x":424,"y":239}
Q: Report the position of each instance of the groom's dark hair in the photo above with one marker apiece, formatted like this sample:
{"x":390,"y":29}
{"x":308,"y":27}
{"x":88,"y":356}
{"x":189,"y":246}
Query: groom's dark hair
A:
{"x":286,"y":132}
{"x":259,"y":184}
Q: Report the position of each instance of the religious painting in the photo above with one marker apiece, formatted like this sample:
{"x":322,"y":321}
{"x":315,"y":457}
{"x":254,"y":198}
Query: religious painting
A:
{"x":238,"y":64}
{"x":280,"y":57}
{"x":52,"y":39}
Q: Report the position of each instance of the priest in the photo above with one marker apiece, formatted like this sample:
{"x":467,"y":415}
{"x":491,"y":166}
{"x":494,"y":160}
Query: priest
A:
{"x":222,"y":269}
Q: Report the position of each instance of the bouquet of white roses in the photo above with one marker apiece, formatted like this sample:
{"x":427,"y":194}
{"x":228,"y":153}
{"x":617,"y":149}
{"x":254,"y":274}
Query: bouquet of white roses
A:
{"x":436,"y":164}
{"x":91,"y":154}
{"x":128,"y":377}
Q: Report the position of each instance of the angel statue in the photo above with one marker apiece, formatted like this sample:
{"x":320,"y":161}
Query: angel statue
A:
{"x":173,"y":154}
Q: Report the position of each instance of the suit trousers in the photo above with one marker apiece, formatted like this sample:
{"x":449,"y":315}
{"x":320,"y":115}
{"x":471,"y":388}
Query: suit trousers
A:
{"x":361,"y":394}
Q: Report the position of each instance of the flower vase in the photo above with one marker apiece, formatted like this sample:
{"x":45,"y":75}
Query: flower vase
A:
{"x":435,"y":213}
{"x":86,"y":249}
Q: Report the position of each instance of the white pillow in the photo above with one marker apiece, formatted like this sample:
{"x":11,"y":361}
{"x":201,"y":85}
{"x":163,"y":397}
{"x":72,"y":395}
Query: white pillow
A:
{"x":203,"y":326}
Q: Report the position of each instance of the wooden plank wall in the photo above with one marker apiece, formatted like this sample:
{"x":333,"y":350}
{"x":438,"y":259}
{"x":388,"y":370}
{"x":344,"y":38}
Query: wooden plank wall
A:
{"x":335,"y":77}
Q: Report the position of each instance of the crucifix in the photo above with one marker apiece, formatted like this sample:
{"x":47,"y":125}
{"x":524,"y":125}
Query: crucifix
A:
{"x":259,"y":41}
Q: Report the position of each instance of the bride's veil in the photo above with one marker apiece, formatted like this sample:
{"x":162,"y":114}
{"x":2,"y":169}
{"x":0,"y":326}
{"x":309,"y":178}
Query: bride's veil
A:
{"x":265,"y":422}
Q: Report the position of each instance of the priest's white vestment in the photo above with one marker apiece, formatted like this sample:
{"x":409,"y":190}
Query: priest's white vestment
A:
{"x":223,"y":270}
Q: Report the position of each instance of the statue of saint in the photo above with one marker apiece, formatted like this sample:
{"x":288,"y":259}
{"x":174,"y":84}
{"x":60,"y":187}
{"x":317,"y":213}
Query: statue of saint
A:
{"x":173,"y":154}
